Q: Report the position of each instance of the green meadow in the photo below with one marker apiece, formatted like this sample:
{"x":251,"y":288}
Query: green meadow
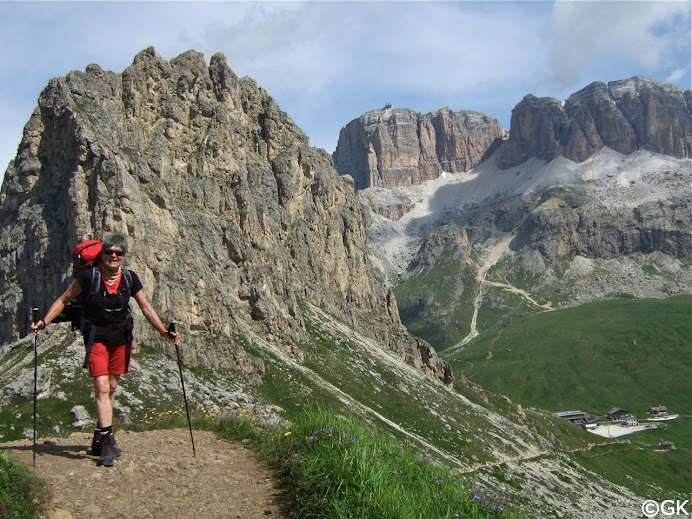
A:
{"x":614,"y":353}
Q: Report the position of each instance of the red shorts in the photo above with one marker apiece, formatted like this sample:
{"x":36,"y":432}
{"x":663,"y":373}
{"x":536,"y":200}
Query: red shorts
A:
{"x":109,"y":360}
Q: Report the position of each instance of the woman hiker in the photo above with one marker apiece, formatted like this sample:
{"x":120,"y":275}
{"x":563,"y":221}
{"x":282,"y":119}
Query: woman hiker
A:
{"x":108,"y":331}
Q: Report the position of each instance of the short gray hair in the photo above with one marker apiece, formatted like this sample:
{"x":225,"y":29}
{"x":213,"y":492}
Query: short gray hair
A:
{"x":116,"y":239}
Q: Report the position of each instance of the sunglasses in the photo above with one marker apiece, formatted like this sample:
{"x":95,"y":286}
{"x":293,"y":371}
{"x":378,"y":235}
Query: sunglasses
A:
{"x":110,"y":252}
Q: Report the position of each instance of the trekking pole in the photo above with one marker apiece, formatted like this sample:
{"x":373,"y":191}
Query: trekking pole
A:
{"x":35,"y":317}
{"x":171,"y":328}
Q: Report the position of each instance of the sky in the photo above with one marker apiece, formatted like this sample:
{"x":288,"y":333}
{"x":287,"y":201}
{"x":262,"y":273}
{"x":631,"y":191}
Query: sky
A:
{"x":328,"y":62}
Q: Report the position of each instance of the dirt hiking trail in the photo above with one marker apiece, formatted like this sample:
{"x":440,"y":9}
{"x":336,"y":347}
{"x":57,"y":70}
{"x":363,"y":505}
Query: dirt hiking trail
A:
{"x":156,"y":477}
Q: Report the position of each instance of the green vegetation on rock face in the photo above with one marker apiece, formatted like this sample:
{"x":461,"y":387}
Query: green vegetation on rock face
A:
{"x":414,"y":406}
{"x":436,"y":304}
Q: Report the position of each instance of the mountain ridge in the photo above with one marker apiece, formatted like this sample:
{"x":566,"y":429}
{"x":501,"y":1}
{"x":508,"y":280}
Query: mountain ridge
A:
{"x":625,"y":115}
{"x":399,"y":146}
{"x":580,"y":200}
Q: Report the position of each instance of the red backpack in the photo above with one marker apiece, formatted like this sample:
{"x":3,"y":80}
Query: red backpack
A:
{"x":86,"y":254}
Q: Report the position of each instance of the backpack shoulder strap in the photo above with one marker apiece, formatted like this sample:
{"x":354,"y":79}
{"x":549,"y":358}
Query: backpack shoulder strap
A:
{"x":87,"y":328}
{"x":127,"y":276}
{"x":126,"y":283}
{"x":95,"y":281}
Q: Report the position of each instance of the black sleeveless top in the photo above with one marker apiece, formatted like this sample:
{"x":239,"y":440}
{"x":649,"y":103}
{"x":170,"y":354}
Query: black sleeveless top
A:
{"x":108,"y":313}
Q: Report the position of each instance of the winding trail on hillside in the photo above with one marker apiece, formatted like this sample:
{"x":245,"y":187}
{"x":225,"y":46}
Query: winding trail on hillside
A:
{"x":540,"y":453}
{"x":493,"y":256}
{"x":156,"y":477}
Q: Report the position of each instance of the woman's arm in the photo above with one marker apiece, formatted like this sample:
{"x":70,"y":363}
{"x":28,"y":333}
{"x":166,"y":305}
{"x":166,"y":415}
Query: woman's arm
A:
{"x":153,"y":317}
{"x":72,"y":292}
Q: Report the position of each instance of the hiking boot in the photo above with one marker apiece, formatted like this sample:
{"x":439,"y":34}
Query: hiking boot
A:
{"x":96,"y":445}
{"x":108,"y":455}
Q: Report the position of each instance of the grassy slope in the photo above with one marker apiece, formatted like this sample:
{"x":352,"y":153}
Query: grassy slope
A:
{"x":22,"y":494}
{"x":616,"y":353}
{"x":348,"y":375}
{"x":436,"y":303}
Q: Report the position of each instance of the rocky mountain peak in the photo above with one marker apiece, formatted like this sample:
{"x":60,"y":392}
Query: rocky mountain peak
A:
{"x":398,"y":146}
{"x":537,"y":123}
{"x":626,"y":116}
{"x":234,"y":219}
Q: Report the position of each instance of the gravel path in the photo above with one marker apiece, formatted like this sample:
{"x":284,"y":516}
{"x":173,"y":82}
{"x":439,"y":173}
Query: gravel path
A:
{"x":156,"y":477}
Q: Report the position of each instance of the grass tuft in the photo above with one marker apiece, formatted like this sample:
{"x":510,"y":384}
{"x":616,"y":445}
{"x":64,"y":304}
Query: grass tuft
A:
{"x":339,"y":468}
{"x":22,"y":494}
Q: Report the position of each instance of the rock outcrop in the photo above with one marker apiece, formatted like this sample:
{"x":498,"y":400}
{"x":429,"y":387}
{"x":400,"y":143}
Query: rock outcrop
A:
{"x":233,"y":217}
{"x":627,"y":115}
{"x":398,"y":147}
{"x":565,"y":223}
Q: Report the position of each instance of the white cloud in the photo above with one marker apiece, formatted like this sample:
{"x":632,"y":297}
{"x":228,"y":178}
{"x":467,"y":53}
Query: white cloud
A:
{"x":646,"y":36}
{"x":677,"y":75}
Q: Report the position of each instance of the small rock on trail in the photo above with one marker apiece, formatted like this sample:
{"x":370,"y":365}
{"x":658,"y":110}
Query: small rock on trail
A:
{"x":156,"y":477}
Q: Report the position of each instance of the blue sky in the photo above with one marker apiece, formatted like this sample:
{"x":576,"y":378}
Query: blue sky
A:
{"x":327,"y":62}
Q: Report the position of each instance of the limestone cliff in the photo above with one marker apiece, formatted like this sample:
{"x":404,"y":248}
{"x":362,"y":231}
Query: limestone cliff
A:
{"x":626,"y":116}
{"x":233,"y":217}
{"x":398,"y":147}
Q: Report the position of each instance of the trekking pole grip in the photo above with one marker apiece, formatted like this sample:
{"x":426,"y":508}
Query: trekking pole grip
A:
{"x":37,"y":316}
{"x":171,"y":329}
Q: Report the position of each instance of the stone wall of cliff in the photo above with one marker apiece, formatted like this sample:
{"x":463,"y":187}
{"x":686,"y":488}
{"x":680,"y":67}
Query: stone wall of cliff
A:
{"x":627,"y":115}
{"x":399,"y":147}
